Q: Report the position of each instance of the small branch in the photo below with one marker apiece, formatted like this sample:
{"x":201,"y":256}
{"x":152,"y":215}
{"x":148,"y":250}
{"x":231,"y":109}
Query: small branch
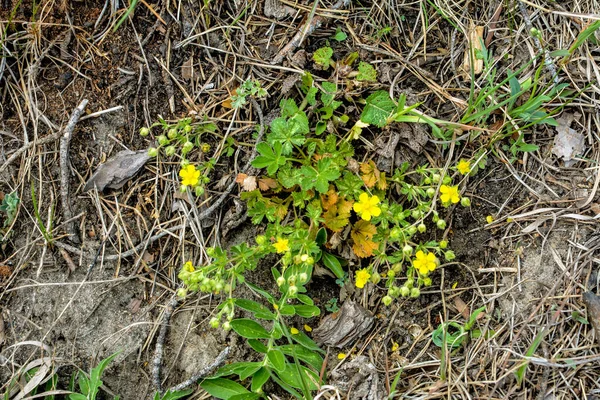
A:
{"x":548,"y":61}
{"x":158,"y":355}
{"x":307,"y":29}
{"x":160,"y":342}
{"x":220,"y":360}
{"x":65,"y":141}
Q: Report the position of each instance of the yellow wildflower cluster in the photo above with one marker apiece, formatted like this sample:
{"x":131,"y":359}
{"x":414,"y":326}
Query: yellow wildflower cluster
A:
{"x":189,"y":175}
{"x":449,"y":194}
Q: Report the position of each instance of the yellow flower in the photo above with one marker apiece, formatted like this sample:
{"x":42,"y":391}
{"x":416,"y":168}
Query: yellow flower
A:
{"x":282,"y":245}
{"x":464,"y":166}
{"x":489,"y":219}
{"x":425,"y":263}
{"x":362,"y":277}
{"x":307,"y":328}
{"x":189,"y":175}
{"x":189,"y":267}
{"x":449,"y":194}
{"x":367,"y":206}
{"x":294,"y":331}
{"x":341,"y":356}
{"x":395,"y":346}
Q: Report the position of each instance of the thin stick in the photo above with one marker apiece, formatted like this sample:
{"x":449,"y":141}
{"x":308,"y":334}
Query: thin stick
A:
{"x":308,"y":28}
{"x":65,"y":141}
{"x":548,"y":61}
{"x":220,"y":360}
{"x":160,"y":342}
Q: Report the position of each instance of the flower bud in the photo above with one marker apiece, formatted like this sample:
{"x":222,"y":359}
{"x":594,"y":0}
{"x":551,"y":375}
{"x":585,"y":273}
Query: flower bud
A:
{"x":187,"y":147}
{"x":449,"y":255}
{"x":427,"y":181}
{"x":292,"y":280}
{"x":304,"y":257}
{"x":447,"y":180}
{"x":384,"y":207}
{"x":181,"y":293}
{"x":465,"y":202}
{"x":407,"y":250}
{"x":226,"y":326}
{"x":387,"y":300}
{"x":292,"y":291}
{"x":170,"y":150}
{"x":391,"y":273}
{"x":214,"y":322}
{"x":416,"y":214}
{"x":421,"y":228}
{"x":183,"y":188}
{"x":427,"y":281}
{"x":443,"y":244}
{"x":395,"y":233}
{"x":415,"y":292}
{"x":199,"y":190}
{"x":404,"y":291}
{"x":210,"y":251}
{"x":310,"y":260}
{"x":152,"y":152}
{"x":187,"y":128}
{"x":162,"y":140}
{"x":144,"y":131}
{"x":260,"y":240}
{"x":303,"y":277}
{"x":375,"y":278}
{"x":397,"y":268}
{"x":436,"y":178}
{"x":412,"y":230}
{"x":205,"y":147}
{"x":441,"y":224}
{"x":430,"y":192}
{"x":172,"y":133}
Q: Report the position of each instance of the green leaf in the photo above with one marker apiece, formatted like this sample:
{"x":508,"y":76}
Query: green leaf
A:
{"x":287,"y":310}
{"x":245,"y":396}
{"x":291,"y":376}
{"x":321,"y":238}
{"x":310,"y":357}
{"x":259,"y":378}
{"x":257,"y":346}
{"x":249,"y":329}
{"x":378,"y":109}
{"x":77,"y":396}
{"x":442,"y":335}
{"x":307,"y":311}
{"x":305,"y":299}
{"x":249,"y":371}
{"x":288,"y":107}
{"x":319,"y":177}
{"x":235,"y":368}
{"x":366,"y":72}
{"x":84,"y":383}
{"x":350,"y":185}
{"x":584,"y":35}
{"x":176,"y":395}
{"x":323,"y":56}
{"x":259,"y":310}
{"x":579,"y":318}
{"x":289,"y":133}
{"x":276,"y":359}
{"x":331,"y":262}
{"x":307,"y":342}
{"x":340,"y":35}
{"x":289,"y":176}
{"x":270,"y":158}
{"x":223,"y":388}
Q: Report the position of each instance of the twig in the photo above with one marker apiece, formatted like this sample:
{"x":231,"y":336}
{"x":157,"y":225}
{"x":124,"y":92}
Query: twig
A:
{"x":203,"y":372}
{"x":65,"y":141}
{"x":308,"y":28}
{"x":160,"y":342}
{"x":548,"y":61}
{"x":158,"y":355}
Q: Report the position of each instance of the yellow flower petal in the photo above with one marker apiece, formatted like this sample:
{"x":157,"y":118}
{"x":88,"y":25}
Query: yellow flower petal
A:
{"x":307,"y":328}
{"x":294,"y":331}
{"x":341,"y":356}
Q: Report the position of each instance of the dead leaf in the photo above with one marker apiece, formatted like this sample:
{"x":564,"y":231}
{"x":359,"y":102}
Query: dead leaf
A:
{"x":187,"y":69}
{"x":248,"y":182}
{"x":117,"y":170}
{"x":337,"y":216}
{"x":265,"y":184}
{"x":340,"y":329}
{"x":370,"y":173}
{"x":362,"y":233}
{"x":461,"y":307}
{"x":277,"y":10}
{"x":592,"y":305}
{"x":475,"y":43}
{"x":568,"y":143}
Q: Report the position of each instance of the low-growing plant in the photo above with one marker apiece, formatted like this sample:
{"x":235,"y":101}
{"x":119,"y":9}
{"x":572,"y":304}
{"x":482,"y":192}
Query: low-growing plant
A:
{"x":313,"y":196}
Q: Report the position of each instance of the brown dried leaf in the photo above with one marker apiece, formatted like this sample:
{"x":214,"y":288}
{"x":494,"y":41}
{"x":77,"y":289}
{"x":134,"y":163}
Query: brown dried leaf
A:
{"x":362,"y":233}
{"x":265,"y":184}
{"x":329,"y":199}
{"x":370,"y":173}
{"x":248,"y":182}
{"x":341,"y":328}
{"x":338,"y":216}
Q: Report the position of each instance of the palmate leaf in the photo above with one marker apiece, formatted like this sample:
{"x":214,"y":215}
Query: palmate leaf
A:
{"x":270,"y":157}
{"x":378,"y":109}
{"x":318,"y":177}
{"x":289,"y":133}
{"x":362,"y":233}
{"x":366,"y":72}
